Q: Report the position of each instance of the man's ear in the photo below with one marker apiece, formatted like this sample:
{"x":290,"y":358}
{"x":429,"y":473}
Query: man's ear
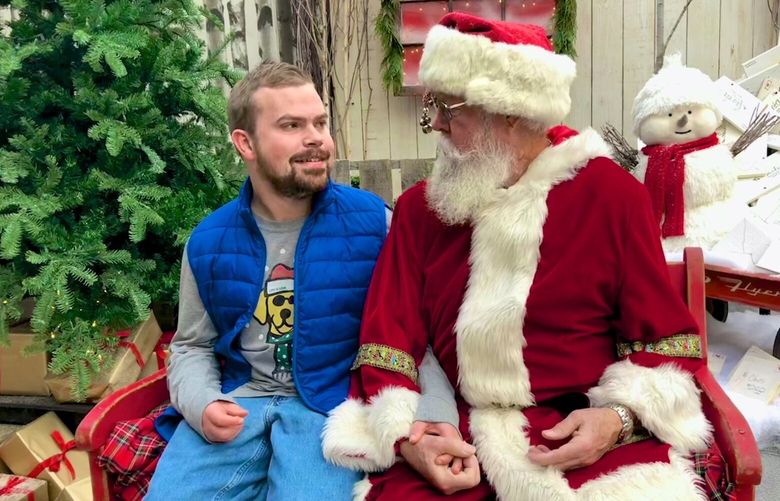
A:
{"x":243,"y":144}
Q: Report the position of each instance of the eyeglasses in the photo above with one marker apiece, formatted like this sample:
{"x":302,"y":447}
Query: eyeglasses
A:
{"x":431,"y":101}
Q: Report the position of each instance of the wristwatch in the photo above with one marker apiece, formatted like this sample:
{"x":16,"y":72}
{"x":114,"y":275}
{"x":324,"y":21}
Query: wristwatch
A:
{"x":626,"y":417}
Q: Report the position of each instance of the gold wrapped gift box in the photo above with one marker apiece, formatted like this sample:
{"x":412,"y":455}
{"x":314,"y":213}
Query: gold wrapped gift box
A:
{"x":45,"y":449}
{"x":16,"y":488}
{"x":22,"y":374}
{"x":129,"y":360}
{"x":77,"y":491}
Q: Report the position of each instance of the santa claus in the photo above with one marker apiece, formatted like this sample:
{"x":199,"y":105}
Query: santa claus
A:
{"x":532,"y":265}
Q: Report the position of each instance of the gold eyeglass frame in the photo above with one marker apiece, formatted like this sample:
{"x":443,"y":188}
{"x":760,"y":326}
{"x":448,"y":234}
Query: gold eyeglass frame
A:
{"x":431,"y":101}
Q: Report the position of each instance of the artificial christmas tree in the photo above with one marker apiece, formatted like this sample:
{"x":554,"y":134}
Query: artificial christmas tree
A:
{"x":113,"y":145}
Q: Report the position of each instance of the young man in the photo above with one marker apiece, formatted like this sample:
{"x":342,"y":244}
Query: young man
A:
{"x":272,"y":291}
{"x":532,"y":264}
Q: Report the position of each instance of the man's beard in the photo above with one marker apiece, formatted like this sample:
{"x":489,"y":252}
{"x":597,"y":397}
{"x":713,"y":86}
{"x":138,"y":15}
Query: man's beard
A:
{"x":297,"y":183}
{"x":462,"y":184}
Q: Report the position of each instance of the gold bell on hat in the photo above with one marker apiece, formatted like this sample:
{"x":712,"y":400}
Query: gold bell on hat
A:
{"x":425,"y":121}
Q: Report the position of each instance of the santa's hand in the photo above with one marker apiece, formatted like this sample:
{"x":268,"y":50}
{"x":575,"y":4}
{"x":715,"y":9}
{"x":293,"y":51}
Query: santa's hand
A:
{"x":422,"y":457}
{"x":222,"y":421}
{"x":420,"y":428}
{"x":592,"y":431}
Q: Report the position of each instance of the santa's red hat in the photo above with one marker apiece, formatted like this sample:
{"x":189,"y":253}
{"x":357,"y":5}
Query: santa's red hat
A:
{"x":506,"y":68}
{"x":281,"y":280}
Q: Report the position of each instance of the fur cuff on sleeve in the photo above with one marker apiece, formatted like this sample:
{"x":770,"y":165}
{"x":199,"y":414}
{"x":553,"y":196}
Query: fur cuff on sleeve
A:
{"x":362,"y":436}
{"x":664,"y":398}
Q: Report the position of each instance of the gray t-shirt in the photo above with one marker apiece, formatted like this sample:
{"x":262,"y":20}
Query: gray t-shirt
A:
{"x":266,"y":342}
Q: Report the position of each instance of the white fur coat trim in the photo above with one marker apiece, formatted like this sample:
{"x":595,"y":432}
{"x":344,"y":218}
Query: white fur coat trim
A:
{"x":673,"y":481}
{"x":523,"y":80}
{"x":665,"y":399}
{"x":504,"y":254}
{"x":362,"y":436}
{"x":361,"y":489}
{"x":502,"y":449}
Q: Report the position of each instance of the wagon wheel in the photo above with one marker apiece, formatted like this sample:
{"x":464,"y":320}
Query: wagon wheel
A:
{"x":776,"y":347}
{"x":718,"y":308}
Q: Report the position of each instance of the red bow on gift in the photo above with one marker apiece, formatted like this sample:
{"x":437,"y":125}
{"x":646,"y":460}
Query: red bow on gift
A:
{"x":159,"y":348}
{"x":11,"y":488}
{"x":53,"y":463}
{"x":131,"y":346}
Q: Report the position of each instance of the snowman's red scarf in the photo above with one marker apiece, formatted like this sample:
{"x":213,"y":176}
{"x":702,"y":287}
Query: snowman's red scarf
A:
{"x":664,"y":180}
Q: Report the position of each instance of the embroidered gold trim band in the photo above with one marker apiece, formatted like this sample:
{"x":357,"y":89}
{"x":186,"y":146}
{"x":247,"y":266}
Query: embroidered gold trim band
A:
{"x":680,"y":345}
{"x":386,"y":357}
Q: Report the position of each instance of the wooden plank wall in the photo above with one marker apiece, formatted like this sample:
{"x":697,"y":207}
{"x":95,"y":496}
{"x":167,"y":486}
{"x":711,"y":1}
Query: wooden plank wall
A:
{"x":616,"y":48}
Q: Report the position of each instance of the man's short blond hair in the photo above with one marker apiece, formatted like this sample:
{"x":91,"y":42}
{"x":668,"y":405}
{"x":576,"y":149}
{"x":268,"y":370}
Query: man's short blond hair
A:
{"x":241,"y":109}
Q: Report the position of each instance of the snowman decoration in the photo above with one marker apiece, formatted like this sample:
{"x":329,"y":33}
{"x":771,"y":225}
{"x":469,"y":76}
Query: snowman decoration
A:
{"x":689,"y":175}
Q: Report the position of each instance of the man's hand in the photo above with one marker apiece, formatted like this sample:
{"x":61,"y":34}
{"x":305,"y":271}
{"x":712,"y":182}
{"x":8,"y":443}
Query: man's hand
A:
{"x":420,"y":428}
{"x":222,"y":421}
{"x":593,"y":432}
{"x":430,"y":450}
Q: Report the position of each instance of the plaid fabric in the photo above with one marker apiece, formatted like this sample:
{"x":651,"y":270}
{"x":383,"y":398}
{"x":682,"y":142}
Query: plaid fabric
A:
{"x":130,"y":455}
{"x":711,"y":466}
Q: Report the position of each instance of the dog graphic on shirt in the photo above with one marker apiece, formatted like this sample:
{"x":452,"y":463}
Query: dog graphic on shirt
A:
{"x":275,"y":309}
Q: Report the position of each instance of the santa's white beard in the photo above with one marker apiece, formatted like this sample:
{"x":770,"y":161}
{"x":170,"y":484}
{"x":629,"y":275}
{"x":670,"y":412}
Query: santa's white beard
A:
{"x":462,"y":184}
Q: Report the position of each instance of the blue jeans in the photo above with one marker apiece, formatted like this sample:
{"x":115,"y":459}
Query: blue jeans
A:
{"x":277,"y":456}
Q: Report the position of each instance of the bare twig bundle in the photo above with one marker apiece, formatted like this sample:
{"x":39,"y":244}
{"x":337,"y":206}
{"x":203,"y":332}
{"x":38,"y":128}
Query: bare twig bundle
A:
{"x":761,"y":122}
{"x":624,"y":154}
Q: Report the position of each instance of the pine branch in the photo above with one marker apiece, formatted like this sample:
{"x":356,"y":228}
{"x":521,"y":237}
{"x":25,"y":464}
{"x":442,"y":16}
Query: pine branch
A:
{"x":113,"y":146}
{"x":386,"y":28}
{"x":565,"y":27}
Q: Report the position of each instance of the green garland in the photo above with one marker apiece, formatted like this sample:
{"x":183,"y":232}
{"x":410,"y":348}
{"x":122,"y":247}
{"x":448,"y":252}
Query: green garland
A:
{"x":565,"y":27}
{"x":386,"y":28}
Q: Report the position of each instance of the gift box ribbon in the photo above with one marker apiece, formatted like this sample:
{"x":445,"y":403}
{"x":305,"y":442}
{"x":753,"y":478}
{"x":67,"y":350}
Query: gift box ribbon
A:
{"x":123,"y":335}
{"x":12,"y":488}
{"x":53,"y":463}
{"x":159,"y":348}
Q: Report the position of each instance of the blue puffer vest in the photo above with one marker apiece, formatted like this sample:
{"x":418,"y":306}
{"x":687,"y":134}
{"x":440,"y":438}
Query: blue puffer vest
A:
{"x":334,"y":259}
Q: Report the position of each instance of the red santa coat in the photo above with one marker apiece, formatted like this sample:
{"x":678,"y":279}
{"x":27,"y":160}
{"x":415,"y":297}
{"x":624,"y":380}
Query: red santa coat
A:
{"x":559,"y":288}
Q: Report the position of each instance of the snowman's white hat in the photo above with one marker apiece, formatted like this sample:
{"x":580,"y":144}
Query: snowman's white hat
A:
{"x":674,"y":85}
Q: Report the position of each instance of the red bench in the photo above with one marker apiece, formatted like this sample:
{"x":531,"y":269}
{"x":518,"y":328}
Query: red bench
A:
{"x":732,"y":433}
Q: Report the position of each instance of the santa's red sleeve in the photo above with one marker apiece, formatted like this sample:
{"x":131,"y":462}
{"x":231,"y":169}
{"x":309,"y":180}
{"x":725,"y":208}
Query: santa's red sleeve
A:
{"x":361,"y":432}
{"x":658,"y":341}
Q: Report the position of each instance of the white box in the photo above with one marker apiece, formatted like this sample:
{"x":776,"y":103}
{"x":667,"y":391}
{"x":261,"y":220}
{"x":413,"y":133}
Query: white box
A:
{"x":750,"y":161}
{"x":762,"y":61}
{"x":753,"y":83}
{"x":768,"y":86}
{"x":737,"y":104}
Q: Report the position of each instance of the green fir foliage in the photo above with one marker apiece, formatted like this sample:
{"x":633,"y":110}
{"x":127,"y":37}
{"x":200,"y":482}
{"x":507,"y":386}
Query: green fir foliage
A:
{"x":386,"y":28}
{"x":113,"y":146}
{"x":565,"y":27}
